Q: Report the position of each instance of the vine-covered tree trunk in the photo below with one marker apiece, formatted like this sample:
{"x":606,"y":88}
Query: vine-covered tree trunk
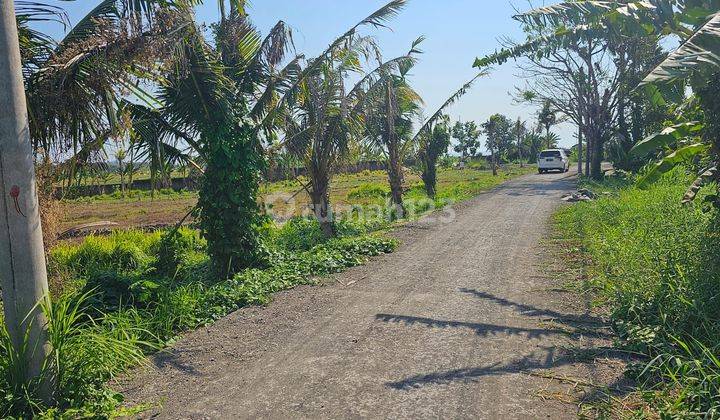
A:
{"x":395,"y":176}
{"x":229,"y":214}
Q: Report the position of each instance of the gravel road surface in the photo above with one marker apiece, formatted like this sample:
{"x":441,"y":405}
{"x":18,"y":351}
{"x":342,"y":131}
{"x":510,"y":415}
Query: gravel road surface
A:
{"x":463,"y":321}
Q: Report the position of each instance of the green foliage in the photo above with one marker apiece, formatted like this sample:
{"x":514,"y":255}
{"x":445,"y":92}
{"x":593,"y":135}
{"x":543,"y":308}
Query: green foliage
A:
{"x":229,"y":216}
{"x":299,"y":234}
{"x":656,"y":263}
{"x":682,"y":155}
{"x":467,"y":135}
{"x":667,"y":137}
{"x":433,"y":147}
{"x":498,"y":131}
{"x":176,"y":248}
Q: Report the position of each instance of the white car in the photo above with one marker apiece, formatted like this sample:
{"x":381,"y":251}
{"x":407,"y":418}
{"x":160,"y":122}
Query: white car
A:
{"x":553,"y":160}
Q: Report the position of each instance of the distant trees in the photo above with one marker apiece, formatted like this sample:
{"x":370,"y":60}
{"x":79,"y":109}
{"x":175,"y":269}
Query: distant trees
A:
{"x":467,"y":135}
{"x":433,"y":138}
{"x":547,"y":118}
{"x":499,"y":138}
{"x":582,"y":74}
{"x":519,"y":132}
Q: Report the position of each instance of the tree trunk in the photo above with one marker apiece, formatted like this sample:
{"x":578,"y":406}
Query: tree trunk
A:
{"x":429,"y":177}
{"x":395,"y":176}
{"x":547,"y":137}
{"x":588,"y":154}
{"x":492,"y":158}
{"x":520,"y":153}
{"x":580,"y":150}
{"x":122,"y":178}
{"x":320,"y":196}
{"x":596,"y":164}
{"x":23,"y":274}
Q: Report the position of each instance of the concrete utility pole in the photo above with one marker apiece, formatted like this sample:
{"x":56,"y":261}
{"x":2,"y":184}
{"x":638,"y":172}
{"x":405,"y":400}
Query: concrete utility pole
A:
{"x":23,"y":274}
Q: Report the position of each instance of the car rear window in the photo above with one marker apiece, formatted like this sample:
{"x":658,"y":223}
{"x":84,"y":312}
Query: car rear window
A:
{"x":550,"y":154}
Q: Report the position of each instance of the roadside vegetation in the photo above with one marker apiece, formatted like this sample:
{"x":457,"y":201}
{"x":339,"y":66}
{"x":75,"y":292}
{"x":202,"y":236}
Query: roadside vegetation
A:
{"x":130,"y":294}
{"x":655,"y":264}
{"x":639,"y":79}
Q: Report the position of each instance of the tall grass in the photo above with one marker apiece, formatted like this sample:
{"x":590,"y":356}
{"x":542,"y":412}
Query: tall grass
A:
{"x":656,"y":264}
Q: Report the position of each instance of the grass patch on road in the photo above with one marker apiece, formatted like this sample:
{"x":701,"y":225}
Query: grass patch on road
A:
{"x":655,"y":264}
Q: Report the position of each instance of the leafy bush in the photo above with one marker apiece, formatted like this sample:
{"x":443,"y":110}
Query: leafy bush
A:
{"x":298,"y":234}
{"x":176,"y":247}
{"x":656,"y":263}
{"x":121,"y":251}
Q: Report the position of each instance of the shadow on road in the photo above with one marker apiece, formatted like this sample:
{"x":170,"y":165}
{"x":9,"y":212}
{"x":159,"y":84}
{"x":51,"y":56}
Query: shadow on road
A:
{"x":480,"y":329}
{"x":173,"y":358}
{"x":532,"y":311}
{"x":546,"y":358}
{"x":551,"y":187}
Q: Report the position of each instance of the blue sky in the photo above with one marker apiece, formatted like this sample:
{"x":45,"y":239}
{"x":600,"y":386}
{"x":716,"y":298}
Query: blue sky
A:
{"x":456,"y":30}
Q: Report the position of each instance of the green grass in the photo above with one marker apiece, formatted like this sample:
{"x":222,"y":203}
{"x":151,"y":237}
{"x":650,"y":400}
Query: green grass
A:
{"x":656,"y":264}
{"x":131,"y":293}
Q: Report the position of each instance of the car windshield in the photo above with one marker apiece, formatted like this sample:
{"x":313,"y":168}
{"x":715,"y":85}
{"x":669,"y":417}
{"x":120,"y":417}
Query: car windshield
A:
{"x":550,"y":154}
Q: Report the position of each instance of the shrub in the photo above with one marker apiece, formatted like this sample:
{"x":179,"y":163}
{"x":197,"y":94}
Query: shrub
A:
{"x":298,"y":234}
{"x":176,"y":247}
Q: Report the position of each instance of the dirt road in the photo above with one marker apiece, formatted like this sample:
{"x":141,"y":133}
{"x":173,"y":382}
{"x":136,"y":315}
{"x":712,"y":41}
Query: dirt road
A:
{"x":460,"y":322}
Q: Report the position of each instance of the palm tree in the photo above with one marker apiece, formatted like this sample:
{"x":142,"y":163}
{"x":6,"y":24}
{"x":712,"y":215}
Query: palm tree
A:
{"x":327,"y":117}
{"x":432,"y":140}
{"x":547,"y":118}
{"x":74,"y":86}
{"x":433,"y":146}
{"x":389,"y":113}
{"x":223,"y":102}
